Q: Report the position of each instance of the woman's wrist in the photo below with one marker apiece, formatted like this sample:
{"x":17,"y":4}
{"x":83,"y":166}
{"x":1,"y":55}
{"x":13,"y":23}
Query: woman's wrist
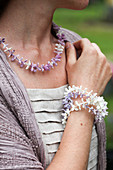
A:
{"x":82,"y":117}
{"x":78,"y":99}
{"x":75,"y":141}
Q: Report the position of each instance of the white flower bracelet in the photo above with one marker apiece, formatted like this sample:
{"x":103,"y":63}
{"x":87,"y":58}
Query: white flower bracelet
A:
{"x":95,"y":104}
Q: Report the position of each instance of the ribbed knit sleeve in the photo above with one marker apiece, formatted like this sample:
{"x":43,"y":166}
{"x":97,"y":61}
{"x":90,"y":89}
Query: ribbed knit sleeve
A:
{"x":21,"y":146}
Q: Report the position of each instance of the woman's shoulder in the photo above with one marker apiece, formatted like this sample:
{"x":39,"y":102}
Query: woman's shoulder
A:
{"x":71,"y":35}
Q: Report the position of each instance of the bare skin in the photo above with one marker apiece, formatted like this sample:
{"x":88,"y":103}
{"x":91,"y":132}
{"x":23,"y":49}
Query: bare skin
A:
{"x":29,"y":33}
{"x":92,"y":71}
{"x":31,"y":38}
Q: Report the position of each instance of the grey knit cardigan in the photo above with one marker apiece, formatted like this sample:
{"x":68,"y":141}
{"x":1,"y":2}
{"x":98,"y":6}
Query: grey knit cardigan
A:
{"x":21,"y":145}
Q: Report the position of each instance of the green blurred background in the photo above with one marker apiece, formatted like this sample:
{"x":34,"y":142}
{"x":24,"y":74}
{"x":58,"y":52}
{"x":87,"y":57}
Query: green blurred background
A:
{"x":96,"y":23}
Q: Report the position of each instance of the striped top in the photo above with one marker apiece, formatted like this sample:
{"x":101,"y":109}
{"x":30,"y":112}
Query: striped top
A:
{"x":47,"y":105}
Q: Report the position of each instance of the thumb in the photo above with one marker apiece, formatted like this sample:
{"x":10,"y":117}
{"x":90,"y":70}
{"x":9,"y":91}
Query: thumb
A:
{"x":70,"y":54}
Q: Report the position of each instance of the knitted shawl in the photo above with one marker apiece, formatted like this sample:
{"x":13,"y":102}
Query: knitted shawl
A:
{"x":21,"y":145}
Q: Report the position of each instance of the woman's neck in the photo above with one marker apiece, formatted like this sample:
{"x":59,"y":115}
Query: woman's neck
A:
{"x":28,"y":22}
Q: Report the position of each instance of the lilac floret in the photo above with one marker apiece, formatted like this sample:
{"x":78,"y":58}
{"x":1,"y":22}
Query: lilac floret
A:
{"x":64,"y":102}
{"x":22,"y":63}
{"x":54,"y":62}
{"x":86,"y":106}
{"x":56,"y":27}
{"x":46,"y":67}
{"x":63,"y":37}
{"x":38,"y":68}
{"x":49,"y":67}
{"x":72,"y":95}
{"x":11,"y":53}
{"x":58,"y":56}
{"x":61,"y":42}
{"x":2,"y":40}
{"x":76,"y":95}
{"x":32,"y":67}
{"x":67,"y":105}
{"x":82,"y":95}
{"x":59,"y":36}
{"x":42,"y":67}
{"x":69,"y":95}
{"x":35,"y":67}
{"x":58,"y":52}
{"x":14,"y":57}
{"x":56,"y":59}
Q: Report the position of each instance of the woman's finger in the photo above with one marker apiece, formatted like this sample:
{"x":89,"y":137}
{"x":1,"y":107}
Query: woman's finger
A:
{"x":98,"y":50}
{"x":83,"y":47}
{"x":71,"y":54}
{"x":96,"y":47}
{"x":82,"y":44}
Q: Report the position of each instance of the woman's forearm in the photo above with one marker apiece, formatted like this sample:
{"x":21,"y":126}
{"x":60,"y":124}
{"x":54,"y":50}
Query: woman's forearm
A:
{"x":93,"y":71}
{"x":73,"y":151}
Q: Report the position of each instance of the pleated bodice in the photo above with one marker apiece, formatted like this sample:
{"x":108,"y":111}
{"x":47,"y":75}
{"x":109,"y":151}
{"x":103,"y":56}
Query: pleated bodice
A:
{"x":47,"y":105}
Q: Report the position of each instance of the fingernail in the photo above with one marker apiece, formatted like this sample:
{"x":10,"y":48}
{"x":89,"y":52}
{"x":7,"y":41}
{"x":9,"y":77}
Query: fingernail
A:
{"x":68,"y":45}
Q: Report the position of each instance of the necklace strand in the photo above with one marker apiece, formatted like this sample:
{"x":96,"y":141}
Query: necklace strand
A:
{"x":59,"y":47}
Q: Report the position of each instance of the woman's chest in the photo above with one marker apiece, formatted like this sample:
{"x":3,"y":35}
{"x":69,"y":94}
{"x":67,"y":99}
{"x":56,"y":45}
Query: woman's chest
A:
{"x":54,"y":78}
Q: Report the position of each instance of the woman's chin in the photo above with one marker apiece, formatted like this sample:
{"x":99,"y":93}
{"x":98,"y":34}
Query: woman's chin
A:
{"x":82,"y":4}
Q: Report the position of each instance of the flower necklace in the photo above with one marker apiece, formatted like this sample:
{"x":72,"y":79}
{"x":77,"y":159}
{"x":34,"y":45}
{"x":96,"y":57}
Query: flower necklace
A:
{"x":59,"y":47}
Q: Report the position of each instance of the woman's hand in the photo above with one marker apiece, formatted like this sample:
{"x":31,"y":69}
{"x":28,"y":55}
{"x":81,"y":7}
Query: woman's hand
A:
{"x":91,"y":70}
